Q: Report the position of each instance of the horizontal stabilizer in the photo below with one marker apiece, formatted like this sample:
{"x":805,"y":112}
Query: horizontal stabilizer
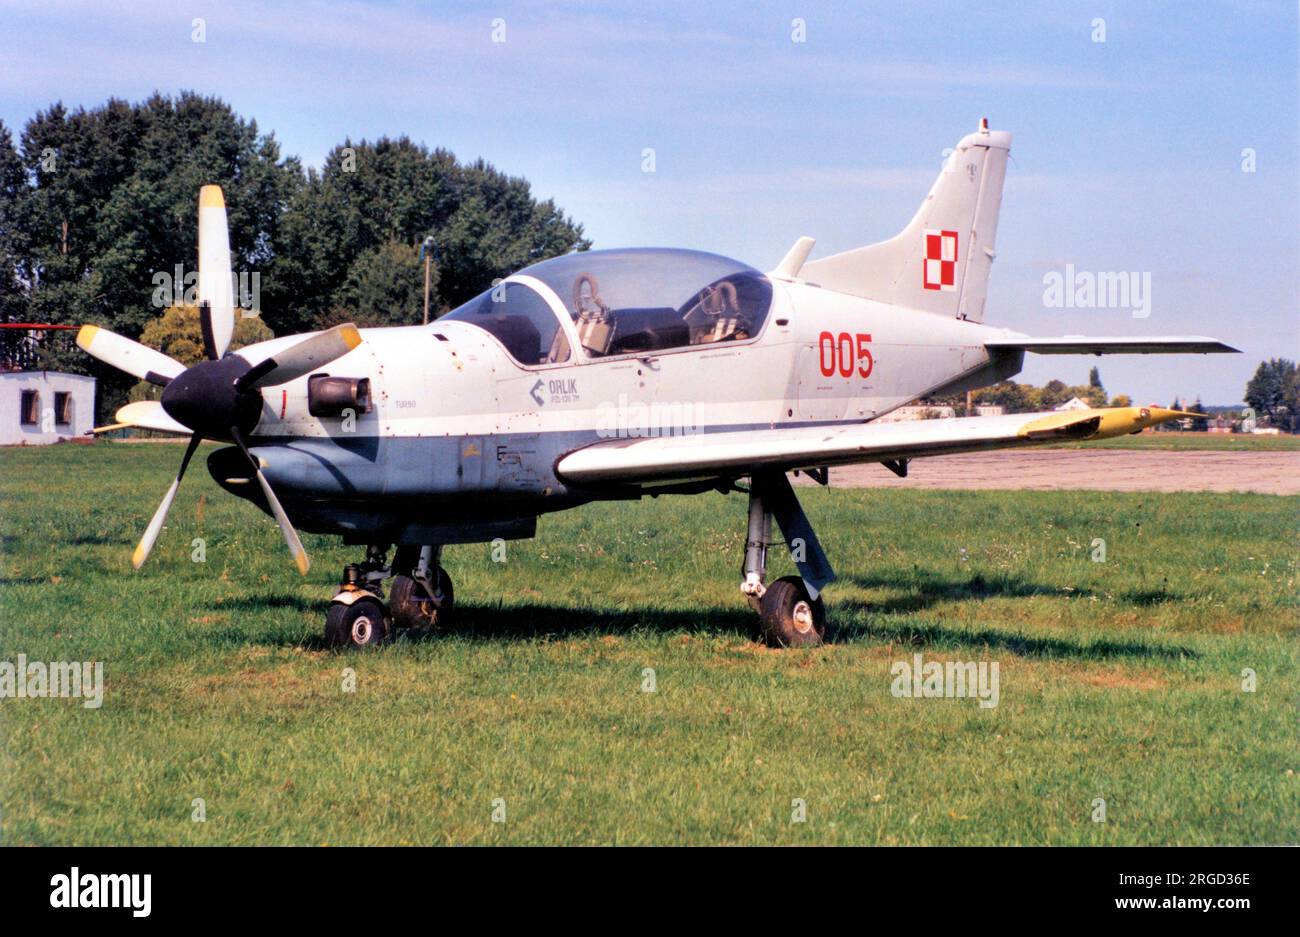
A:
{"x":1115,"y":345}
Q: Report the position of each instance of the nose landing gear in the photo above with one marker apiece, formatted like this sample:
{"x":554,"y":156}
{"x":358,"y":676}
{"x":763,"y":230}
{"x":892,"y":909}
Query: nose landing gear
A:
{"x":420,"y":596}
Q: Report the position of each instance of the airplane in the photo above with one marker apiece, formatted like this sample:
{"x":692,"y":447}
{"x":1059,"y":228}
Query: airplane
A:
{"x":609,"y":375}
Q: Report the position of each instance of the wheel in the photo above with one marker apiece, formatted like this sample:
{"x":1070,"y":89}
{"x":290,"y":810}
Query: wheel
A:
{"x":361,"y":624}
{"x":412,"y":607}
{"x":789,"y":617}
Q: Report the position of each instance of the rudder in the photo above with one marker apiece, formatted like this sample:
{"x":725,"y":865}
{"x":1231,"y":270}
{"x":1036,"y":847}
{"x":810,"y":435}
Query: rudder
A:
{"x":940,"y":262}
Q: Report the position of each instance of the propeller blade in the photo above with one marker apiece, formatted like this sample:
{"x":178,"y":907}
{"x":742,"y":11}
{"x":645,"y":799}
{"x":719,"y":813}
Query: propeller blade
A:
{"x":126,"y":355}
{"x":216,"y":290}
{"x":151,"y":532}
{"x":302,"y":358}
{"x":149,"y":414}
{"x":300,"y":558}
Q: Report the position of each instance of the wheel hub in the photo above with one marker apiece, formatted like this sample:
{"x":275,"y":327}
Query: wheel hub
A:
{"x":803,"y":617}
{"x":362,"y":629}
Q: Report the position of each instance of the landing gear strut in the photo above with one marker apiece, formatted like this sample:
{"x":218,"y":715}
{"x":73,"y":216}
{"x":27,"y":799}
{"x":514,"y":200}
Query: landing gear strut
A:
{"x":791,"y":612}
{"x":420,"y":596}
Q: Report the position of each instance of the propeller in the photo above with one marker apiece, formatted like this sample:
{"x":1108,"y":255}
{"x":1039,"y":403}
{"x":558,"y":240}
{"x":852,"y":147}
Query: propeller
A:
{"x":216,"y":287}
{"x":300,"y":558}
{"x":127,"y":355}
{"x":302,"y":358}
{"x":219,"y":398}
{"x":151,"y":532}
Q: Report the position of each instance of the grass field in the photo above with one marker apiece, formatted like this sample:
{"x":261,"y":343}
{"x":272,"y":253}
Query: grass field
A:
{"x":1119,"y":679}
{"x":1213,"y":442}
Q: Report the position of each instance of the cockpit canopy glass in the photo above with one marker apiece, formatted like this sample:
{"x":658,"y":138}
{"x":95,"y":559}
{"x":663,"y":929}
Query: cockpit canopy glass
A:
{"x":520,"y":319}
{"x":648,"y":299}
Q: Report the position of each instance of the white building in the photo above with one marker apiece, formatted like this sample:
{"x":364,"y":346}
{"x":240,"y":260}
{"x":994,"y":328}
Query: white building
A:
{"x":1074,"y":403}
{"x":41,"y":407}
{"x":917,"y":412}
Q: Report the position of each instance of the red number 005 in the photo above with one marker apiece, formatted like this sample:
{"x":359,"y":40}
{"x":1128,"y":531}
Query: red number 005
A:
{"x":843,"y":353}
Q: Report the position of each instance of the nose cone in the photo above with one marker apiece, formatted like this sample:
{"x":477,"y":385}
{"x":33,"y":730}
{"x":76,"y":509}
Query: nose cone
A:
{"x":204,"y":398}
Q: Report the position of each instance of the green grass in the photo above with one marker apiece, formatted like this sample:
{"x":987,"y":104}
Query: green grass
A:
{"x":1119,"y":679}
{"x":1214,"y":442}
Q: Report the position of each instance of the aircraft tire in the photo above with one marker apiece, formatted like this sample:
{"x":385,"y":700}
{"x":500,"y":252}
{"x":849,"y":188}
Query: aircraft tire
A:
{"x":361,"y":624}
{"x":411,"y":609}
{"x":789,"y":617}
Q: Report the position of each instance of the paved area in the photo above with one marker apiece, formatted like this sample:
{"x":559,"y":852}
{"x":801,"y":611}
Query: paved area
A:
{"x":1099,"y":470}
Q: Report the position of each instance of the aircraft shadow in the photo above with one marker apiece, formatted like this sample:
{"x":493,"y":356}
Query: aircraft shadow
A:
{"x":484,"y":621}
{"x":919,"y":636}
{"x":494,"y":622}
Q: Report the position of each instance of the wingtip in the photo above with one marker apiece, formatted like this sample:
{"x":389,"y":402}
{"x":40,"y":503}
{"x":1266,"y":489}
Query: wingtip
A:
{"x":210,"y":196}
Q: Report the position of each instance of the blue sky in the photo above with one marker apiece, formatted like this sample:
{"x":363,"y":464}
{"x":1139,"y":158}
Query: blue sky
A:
{"x":1127,"y":157}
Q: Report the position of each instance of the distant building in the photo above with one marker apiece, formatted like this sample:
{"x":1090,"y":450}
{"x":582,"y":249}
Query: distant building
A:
{"x":1074,"y":403}
{"x":918,"y":412}
{"x":41,"y":407}
{"x":989,"y":409}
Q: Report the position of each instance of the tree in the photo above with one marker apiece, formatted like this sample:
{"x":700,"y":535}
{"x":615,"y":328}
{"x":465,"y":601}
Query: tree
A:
{"x":1094,"y":378}
{"x":111,"y":201}
{"x":347,"y":232}
{"x":385,"y":286}
{"x":1121,"y":400}
{"x":94,"y":204}
{"x":1200,"y":424}
{"x":1272,"y":392}
{"x":178,"y":334}
{"x":1013,"y":397}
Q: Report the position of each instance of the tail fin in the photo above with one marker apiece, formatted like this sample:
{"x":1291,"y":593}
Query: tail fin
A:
{"x":940,"y":262}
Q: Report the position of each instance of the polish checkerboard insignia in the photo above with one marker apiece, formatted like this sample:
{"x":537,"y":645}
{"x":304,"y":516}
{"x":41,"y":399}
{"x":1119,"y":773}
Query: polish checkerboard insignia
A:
{"x":940,"y":270}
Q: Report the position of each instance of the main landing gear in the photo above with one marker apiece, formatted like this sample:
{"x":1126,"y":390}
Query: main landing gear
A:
{"x":419,"y":598}
{"x":790,"y":610}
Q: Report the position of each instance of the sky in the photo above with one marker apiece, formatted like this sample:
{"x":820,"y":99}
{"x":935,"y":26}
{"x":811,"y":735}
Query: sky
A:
{"x":772,"y":120}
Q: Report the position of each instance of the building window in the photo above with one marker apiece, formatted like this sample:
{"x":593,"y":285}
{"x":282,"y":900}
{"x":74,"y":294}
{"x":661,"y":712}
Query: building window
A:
{"x":62,"y":408}
{"x":31,"y":408}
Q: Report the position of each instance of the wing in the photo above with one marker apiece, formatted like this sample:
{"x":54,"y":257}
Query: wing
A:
{"x":1115,"y":345}
{"x":732,"y":454}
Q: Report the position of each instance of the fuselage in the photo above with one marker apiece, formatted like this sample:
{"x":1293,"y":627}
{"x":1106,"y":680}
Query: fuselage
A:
{"x":461,"y":438}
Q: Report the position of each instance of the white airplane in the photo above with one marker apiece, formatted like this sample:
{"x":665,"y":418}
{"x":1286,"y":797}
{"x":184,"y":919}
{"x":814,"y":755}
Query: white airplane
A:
{"x":609,"y":375}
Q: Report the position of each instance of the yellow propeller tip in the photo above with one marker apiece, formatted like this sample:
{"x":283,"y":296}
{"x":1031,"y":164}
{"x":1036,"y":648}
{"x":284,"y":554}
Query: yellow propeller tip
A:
{"x":85,"y":335}
{"x":303,"y":562}
{"x":210,"y":197}
{"x":351,"y":337}
{"x":138,"y":557}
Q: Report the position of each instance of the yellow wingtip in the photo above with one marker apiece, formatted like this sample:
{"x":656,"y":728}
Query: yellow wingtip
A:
{"x":1113,"y":421}
{"x":303,"y":562}
{"x":210,"y":197}
{"x":85,"y":335}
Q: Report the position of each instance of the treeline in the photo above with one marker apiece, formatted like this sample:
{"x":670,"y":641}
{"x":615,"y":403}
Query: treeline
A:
{"x":1014,"y":397}
{"x":97,"y":205}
